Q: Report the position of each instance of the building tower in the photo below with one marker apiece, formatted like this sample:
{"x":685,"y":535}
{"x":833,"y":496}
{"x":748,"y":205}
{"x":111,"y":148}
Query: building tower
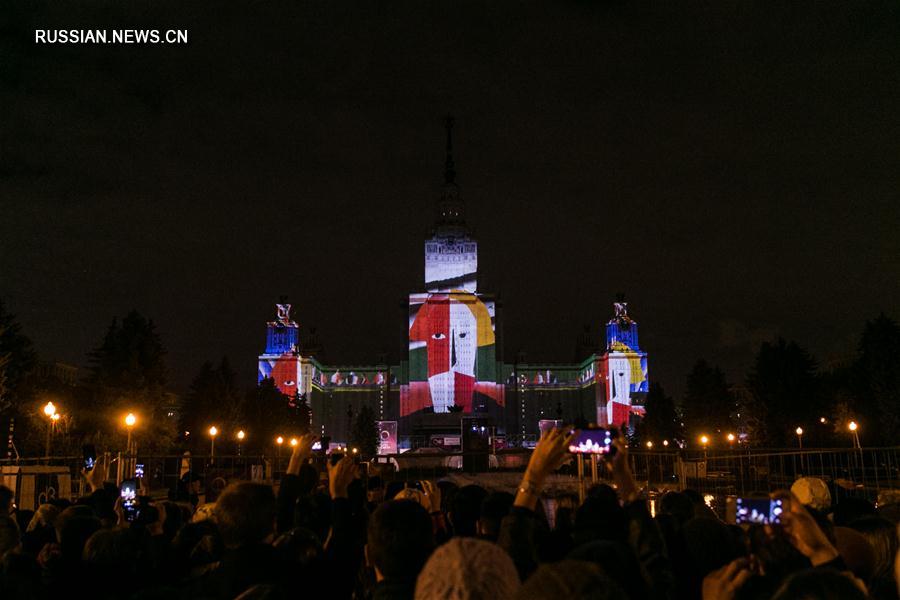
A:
{"x":623,"y":371}
{"x":452,"y":345}
{"x":451,"y":254}
{"x":281,"y":360}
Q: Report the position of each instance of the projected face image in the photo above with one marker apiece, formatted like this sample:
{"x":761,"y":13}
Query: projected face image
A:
{"x":285,"y":372}
{"x":450,"y":329}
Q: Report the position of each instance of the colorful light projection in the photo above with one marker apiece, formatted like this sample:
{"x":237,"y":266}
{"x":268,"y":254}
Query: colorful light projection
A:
{"x":350,"y":377}
{"x":624,"y":368}
{"x":451,"y":264}
{"x":452,"y":354}
{"x":281,"y":360}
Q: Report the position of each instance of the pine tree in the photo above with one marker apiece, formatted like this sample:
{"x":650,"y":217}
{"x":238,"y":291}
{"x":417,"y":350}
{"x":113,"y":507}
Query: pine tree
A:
{"x":127,"y":374}
{"x":17,"y":359}
{"x":131,"y":355}
{"x":784,"y":388}
{"x":213,"y":400}
{"x":661,"y":421}
{"x":708,"y":404}
{"x":878,"y":380}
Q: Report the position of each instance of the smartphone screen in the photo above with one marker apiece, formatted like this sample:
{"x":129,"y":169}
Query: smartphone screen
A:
{"x":89,"y":452}
{"x":129,"y":499}
{"x":593,"y":441}
{"x":765,"y":511}
{"x":139,"y":470}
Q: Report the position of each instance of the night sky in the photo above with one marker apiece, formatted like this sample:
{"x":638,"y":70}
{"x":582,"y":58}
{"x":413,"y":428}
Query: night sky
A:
{"x":733,"y":168}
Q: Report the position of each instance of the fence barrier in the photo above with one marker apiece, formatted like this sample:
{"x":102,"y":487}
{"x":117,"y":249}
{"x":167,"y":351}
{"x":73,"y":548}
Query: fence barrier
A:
{"x":868,"y":472}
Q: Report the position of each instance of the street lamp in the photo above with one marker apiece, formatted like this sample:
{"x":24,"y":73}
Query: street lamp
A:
{"x":704,"y":440}
{"x":50,"y":411}
{"x":213,"y":432}
{"x":649,"y":444}
{"x":799,"y":432}
{"x":730,"y":438}
{"x":130,"y":421}
{"x":666,"y":443}
{"x":854,"y":429}
{"x":294,"y":441}
{"x":240,"y":437}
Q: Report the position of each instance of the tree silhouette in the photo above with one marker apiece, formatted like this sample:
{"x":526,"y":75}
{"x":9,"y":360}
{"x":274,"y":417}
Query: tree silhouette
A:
{"x":213,"y":399}
{"x":131,"y":355}
{"x":878,"y":379}
{"x":17,"y":359}
{"x":783,"y":386}
{"x":661,"y":421}
{"x":128,"y":374}
{"x":708,"y":404}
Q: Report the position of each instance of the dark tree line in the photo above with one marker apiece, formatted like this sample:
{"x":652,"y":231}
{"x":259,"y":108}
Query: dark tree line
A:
{"x":785,"y":389}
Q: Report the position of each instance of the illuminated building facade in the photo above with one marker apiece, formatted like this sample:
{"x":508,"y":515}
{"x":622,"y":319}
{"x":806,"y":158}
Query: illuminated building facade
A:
{"x":454,"y":367}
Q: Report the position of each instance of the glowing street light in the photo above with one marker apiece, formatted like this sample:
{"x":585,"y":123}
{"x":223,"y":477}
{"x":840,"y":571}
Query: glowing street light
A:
{"x":649,"y":444}
{"x":279,"y":440}
{"x":730,"y":438}
{"x":854,"y":429}
{"x":799,"y":432}
{"x":52,"y":417}
{"x":213,"y":432}
{"x":704,"y":440}
{"x":294,"y":441}
{"x":240,"y":438}
{"x":822,"y":420}
{"x":666,"y":443}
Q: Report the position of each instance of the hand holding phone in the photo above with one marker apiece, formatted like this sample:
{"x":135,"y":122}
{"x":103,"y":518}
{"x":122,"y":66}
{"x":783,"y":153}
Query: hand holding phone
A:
{"x":128,"y":493}
{"x":594,"y":440}
{"x":89,"y":456}
{"x":763,"y":511}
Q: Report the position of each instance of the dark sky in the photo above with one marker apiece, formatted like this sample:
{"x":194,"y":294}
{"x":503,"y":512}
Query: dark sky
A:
{"x":731,"y":167}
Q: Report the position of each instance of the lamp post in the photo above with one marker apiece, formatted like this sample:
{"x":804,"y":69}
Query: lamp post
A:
{"x":854,"y":429}
{"x":278,"y":442}
{"x":730,"y":438}
{"x":130,"y":421}
{"x":705,"y":441}
{"x":213,"y":431}
{"x":49,"y":410}
{"x":799,"y":432}
{"x":240,"y":437}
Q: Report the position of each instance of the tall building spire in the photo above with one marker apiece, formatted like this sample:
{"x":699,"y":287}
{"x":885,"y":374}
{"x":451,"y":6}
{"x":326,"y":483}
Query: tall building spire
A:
{"x":451,"y":253}
{"x":449,"y":169}
{"x":451,"y":214}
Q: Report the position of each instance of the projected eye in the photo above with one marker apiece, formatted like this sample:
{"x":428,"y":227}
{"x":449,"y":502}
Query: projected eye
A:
{"x":438,"y":336}
{"x":463,"y":334}
{"x":289,"y":382}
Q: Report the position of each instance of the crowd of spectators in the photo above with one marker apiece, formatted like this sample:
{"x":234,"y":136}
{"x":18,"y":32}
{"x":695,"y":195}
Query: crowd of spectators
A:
{"x":328,"y":533}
